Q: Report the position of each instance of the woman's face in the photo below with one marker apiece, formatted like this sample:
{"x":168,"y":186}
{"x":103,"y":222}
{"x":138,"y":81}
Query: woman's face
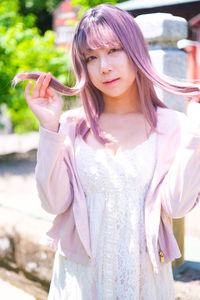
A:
{"x":110,"y":71}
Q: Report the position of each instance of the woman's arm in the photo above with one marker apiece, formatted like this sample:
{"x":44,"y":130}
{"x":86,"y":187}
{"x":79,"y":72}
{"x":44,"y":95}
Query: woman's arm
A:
{"x":180,"y":188}
{"x":51,"y":174}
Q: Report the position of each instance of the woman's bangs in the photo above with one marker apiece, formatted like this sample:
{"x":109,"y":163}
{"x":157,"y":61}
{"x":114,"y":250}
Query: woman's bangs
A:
{"x":96,"y":37}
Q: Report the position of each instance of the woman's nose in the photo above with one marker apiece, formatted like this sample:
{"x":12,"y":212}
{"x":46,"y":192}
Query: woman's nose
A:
{"x":105,"y":65}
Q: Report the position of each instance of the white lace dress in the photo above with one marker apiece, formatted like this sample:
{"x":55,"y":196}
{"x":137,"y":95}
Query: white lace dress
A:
{"x":120,"y":268}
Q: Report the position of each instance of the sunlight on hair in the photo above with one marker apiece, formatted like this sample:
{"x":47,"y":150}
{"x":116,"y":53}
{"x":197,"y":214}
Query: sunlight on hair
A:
{"x":95,"y":37}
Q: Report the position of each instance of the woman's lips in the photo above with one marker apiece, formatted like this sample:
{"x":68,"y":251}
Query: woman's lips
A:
{"x":111,"y":82}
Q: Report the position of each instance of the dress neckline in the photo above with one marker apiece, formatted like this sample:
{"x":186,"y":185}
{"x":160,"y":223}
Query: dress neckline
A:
{"x":118,"y":152}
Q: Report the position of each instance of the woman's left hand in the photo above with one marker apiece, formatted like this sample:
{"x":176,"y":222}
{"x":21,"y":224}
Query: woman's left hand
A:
{"x":195,"y":99}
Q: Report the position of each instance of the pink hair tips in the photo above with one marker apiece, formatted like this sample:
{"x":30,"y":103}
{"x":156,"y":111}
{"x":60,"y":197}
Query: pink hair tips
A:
{"x":54,"y":83}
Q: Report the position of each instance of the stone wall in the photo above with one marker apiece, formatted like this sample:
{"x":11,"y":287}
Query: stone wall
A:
{"x":162,"y":32}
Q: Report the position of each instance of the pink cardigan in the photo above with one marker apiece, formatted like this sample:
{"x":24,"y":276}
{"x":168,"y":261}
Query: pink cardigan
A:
{"x":173,"y":192}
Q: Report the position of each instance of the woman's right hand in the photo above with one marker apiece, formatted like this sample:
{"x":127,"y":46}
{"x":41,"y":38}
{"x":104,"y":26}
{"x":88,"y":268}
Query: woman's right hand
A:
{"x":44,"y":102}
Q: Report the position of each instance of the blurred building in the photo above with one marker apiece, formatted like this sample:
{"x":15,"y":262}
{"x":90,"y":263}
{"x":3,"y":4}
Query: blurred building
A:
{"x":189,"y":10}
{"x":192,"y":48}
{"x":64,"y":19}
{"x":182,"y":8}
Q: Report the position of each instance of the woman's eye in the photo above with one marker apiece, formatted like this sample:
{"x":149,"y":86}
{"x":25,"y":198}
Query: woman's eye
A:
{"x":88,"y":59}
{"x":114,"y":50}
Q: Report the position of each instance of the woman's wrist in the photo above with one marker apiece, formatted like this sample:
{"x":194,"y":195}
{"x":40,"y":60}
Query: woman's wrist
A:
{"x":51,"y":127}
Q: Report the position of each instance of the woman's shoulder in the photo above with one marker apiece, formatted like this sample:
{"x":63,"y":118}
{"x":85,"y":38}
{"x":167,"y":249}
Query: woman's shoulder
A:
{"x":170,"y":113}
{"x":70,"y":119}
{"x":171,"y":121}
{"x":170,"y":118}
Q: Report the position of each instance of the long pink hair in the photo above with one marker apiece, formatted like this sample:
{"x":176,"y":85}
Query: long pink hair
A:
{"x":108,"y":25}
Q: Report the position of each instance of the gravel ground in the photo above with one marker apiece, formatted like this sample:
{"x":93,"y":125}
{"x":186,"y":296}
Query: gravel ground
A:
{"x":187,"y":285}
{"x":9,"y":292}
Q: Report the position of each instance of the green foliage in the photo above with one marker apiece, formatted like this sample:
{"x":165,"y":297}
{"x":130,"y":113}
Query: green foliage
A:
{"x":86,"y":4}
{"x":38,"y":5}
{"x":42,"y":9}
{"x":23,"y":48}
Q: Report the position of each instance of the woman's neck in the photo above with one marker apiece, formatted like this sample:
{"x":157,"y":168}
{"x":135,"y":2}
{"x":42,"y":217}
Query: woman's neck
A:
{"x":121,"y":108}
{"x":124,"y":104}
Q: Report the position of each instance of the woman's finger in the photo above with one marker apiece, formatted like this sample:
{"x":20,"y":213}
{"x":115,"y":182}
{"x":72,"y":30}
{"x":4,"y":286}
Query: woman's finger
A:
{"x":54,"y":96}
{"x":27,"y":92}
{"x":37,"y":87}
{"x":50,"y":92}
{"x":195,"y":99}
{"x":45,"y":85}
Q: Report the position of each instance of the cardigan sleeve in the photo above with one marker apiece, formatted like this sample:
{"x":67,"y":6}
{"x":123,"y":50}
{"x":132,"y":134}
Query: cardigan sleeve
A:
{"x":51,"y":173}
{"x":180,"y":188}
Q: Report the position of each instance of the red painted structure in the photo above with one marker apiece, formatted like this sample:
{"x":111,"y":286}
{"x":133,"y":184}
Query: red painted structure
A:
{"x":192,"y":48}
{"x":64,"y":18}
{"x":193,"y":52}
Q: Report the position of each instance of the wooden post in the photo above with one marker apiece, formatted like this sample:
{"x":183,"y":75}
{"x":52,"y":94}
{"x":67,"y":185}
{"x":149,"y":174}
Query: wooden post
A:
{"x":179,"y":229}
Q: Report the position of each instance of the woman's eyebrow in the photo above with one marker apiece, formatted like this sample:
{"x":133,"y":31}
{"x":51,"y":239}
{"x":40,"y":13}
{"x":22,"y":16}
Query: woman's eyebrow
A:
{"x":89,"y":51}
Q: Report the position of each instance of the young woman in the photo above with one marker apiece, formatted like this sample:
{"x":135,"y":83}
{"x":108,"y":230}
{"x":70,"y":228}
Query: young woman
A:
{"x":116,"y":170}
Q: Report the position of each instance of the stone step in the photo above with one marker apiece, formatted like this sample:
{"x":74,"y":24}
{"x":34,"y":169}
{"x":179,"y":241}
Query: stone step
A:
{"x":9,"y":292}
{"x":18,"y":143}
{"x":16,"y":286}
{"x":20,"y":248}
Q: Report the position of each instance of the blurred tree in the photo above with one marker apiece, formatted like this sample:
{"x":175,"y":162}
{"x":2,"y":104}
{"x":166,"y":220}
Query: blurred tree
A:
{"x":41,"y":9}
{"x":86,"y":4}
{"x":23,"y":48}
